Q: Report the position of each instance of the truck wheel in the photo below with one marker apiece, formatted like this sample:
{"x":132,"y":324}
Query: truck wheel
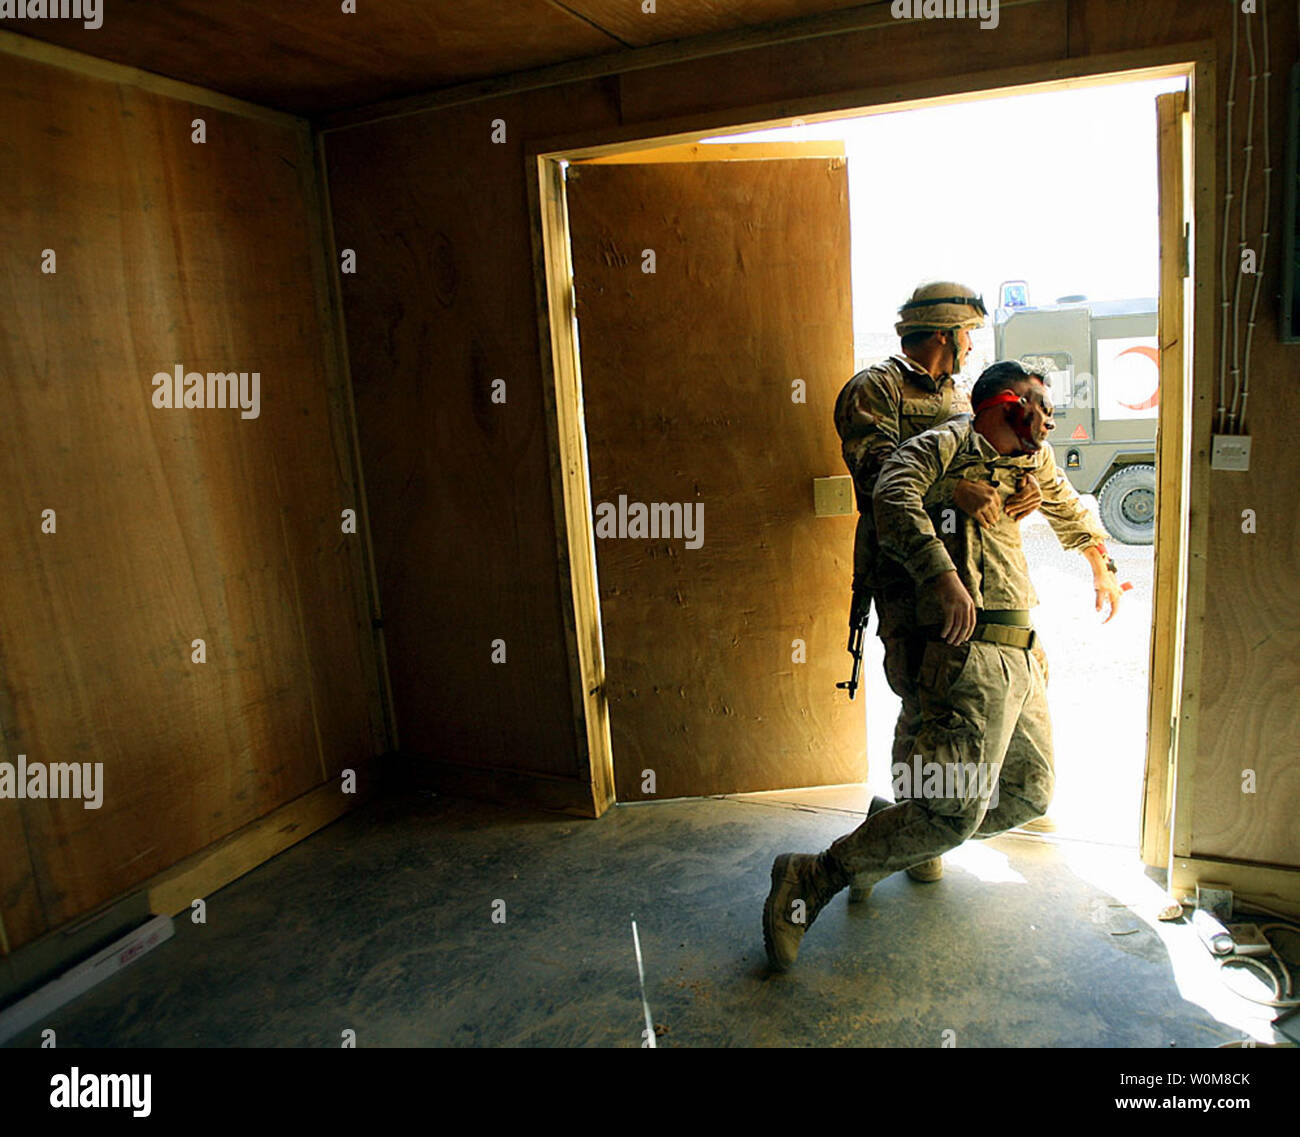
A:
{"x":1128,"y":505}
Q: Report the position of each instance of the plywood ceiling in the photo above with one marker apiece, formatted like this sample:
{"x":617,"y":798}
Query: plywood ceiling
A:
{"x":308,"y":56}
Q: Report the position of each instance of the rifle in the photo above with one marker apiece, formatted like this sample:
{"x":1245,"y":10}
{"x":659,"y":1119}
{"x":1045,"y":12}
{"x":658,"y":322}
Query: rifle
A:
{"x":858,"y":613}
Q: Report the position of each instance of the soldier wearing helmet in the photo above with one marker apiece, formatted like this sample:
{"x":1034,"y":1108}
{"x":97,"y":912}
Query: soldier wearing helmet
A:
{"x":879,"y":409}
{"x":984,"y":744}
{"x":936,"y":321}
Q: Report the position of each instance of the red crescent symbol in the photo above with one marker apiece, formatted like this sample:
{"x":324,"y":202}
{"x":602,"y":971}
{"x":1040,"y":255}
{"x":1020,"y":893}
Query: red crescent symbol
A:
{"x":1151,"y":354}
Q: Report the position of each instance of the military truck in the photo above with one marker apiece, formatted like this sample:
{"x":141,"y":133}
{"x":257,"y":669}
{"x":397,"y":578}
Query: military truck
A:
{"x":1103,"y":363}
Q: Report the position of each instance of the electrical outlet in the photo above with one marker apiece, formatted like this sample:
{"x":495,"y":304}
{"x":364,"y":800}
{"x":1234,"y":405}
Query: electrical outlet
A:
{"x":833,"y":497}
{"x":1230,"y":452}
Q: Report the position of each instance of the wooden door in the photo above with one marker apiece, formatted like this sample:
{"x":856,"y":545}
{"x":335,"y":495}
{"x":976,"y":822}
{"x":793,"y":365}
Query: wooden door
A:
{"x":715,"y":330}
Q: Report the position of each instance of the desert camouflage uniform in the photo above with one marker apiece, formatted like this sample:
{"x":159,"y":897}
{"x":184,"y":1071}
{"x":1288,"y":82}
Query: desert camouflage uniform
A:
{"x":981,"y":703}
{"x":878,"y":409}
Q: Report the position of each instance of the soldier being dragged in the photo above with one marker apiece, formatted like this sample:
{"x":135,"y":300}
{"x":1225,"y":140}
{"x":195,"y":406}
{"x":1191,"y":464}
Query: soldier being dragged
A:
{"x":981,"y":687}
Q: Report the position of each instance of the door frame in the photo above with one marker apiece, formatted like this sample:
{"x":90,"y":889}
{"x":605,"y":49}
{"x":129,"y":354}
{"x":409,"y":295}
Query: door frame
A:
{"x":1173,"y":143}
{"x":562,"y":371}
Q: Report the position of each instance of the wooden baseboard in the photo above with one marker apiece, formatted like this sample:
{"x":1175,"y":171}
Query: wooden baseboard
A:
{"x":1270,"y":886}
{"x":173,"y":890}
{"x":509,"y":787}
{"x":212,"y":868}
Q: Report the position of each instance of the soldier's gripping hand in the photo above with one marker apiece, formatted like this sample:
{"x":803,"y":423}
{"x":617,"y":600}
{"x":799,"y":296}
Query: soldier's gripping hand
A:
{"x":980,"y":500}
{"x":958,"y":608}
{"x":1027,"y":498}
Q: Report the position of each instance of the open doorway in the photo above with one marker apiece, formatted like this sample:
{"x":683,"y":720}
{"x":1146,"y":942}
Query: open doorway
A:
{"x":758,"y":708}
{"x":1052,"y":213}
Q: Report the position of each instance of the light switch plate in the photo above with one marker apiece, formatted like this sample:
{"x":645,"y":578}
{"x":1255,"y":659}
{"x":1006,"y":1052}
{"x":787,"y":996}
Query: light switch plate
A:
{"x":833,"y":497}
{"x":1230,"y":452}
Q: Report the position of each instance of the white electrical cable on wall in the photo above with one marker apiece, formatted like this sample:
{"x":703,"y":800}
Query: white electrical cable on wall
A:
{"x":1227,"y":208}
{"x":1263,"y":250}
{"x":1247,"y":167}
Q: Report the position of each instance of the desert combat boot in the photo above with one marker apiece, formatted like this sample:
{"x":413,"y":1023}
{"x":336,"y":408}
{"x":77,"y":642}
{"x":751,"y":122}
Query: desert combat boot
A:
{"x":927,"y":872}
{"x":802,"y":884}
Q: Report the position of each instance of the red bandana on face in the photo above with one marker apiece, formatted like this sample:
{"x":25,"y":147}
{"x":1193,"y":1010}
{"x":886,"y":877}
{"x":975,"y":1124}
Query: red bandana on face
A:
{"x":995,"y":400}
{"x":1019,"y":418}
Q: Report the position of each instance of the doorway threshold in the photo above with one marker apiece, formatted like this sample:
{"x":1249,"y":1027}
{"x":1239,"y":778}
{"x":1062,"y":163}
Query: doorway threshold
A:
{"x":852,"y":800}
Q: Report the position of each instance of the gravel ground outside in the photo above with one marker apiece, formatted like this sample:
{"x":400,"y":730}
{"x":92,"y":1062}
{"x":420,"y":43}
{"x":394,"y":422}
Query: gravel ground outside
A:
{"x":1097,"y":689}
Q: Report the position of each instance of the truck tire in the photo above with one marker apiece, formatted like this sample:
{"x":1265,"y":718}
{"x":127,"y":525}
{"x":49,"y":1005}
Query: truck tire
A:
{"x":1127,"y":502}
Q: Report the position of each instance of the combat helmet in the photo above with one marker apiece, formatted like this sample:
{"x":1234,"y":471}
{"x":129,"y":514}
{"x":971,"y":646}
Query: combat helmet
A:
{"x":942,"y":306}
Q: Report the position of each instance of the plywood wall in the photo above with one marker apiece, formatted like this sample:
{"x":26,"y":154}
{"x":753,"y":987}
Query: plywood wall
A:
{"x":414,"y":185}
{"x":442,"y":326}
{"x":169,"y":525}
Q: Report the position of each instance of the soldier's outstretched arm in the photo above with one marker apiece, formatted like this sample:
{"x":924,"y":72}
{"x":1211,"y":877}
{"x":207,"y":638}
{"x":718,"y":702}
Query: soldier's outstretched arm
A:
{"x":1075,"y":526}
{"x":1078,"y":530}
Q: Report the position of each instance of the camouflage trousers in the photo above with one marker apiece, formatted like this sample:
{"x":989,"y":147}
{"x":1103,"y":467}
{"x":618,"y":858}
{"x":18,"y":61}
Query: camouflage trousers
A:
{"x":904,"y":648}
{"x":981,"y":760}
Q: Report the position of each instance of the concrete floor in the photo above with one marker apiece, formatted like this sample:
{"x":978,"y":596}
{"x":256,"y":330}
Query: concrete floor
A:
{"x":382,"y":924}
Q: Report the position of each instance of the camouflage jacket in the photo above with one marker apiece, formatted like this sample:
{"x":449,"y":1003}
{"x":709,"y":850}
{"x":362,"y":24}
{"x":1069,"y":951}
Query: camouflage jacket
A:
{"x":877,"y":409}
{"x":928,"y":536}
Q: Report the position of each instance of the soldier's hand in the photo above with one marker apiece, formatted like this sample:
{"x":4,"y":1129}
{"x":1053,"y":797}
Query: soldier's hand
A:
{"x":978,"y":499}
{"x":1107,"y":589}
{"x":958,"y":608}
{"x":1027,"y":498}
{"x":1104,"y":582}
